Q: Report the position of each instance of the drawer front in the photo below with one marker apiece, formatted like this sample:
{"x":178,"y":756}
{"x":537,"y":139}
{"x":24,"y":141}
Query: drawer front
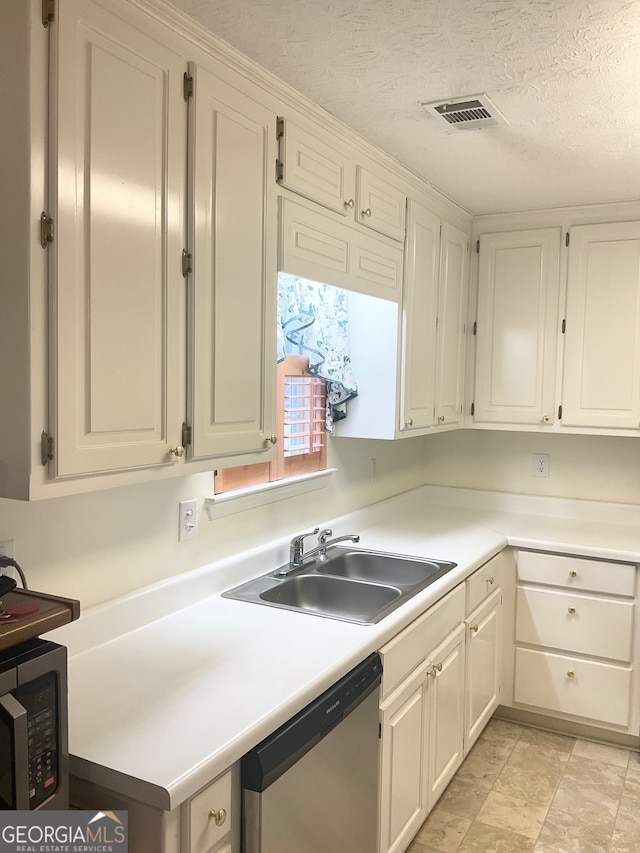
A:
{"x":210,"y":815}
{"x":417,"y":641}
{"x":597,"y":691}
{"x":483,"y":582}
{"x":577,"y":573}
{"x":575,"y":623}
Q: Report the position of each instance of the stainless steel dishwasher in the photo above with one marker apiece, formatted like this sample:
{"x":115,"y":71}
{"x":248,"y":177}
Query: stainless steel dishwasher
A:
{"x":312,"y":786}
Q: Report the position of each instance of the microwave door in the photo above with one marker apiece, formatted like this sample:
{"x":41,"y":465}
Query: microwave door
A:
{"x":14,"y":773}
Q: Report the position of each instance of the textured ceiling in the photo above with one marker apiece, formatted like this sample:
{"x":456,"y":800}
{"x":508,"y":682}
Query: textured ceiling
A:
{"x":566,"y":75}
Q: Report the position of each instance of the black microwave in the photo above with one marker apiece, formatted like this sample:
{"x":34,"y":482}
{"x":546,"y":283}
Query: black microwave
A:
{"x":34,"y":749}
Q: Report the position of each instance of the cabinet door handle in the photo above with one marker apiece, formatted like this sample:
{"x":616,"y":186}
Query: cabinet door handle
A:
{"x":441,"y":419}
{"x":571,"y":674}
{"x":439,"y":667}
{"x":545,"y":419}
{"x":490,"y":581}
{"x":350,"y":204}
{"x":176,"y":452}
{"x":367,"y":212}
{"x":573,"y":573}
{"x":474,"y":628}
{"x":571,"y":610}
{"x":271,"y":439}
{"x":218,"y":816}
{"x":409,"y":422}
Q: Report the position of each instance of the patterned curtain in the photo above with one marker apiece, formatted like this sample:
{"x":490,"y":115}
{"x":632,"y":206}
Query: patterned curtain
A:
{"x":313,"y":321}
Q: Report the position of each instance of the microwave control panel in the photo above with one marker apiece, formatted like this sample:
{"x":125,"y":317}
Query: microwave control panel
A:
{"x":39,"y":697}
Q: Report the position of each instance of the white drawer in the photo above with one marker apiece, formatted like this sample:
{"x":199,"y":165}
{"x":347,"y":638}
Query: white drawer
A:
{"x":409,"y":647}
{"x":576,"y":623}
{"x":210,"y":815}
{"x":483,"y":582}
{"x":577,"y":573}
{"x":597,"y":691}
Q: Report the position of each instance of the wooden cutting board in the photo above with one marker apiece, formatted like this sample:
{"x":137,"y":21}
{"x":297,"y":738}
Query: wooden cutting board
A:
{"x":35,"y":613}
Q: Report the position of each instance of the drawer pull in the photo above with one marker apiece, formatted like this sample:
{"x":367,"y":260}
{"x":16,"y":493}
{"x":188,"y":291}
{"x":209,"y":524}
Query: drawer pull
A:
{"x":573,"y":573}
{"x":570,"y":674}
{"x":571,"y":610}
{"x":490,"y":581}
{"x":218,"y":816}
{"x":474,"y":628}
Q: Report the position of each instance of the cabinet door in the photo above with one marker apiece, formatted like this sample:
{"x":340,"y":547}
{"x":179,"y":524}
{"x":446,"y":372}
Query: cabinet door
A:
{"x":601,"y":378}
{"x":419,"y":307}
{"x":313,"y":166}
{"x":233,"y":304}
{"x":446,"y":702}
{"x":403,"y":762}
{"x":380,"y":205}
{"x":452,"y":307}
{"x":119,"y":148}
{"x":482,"y":667}
{"x":518,"y":283}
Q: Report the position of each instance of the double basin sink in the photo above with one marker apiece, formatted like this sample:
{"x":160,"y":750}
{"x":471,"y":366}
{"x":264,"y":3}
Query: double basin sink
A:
{"x":349,"y":584}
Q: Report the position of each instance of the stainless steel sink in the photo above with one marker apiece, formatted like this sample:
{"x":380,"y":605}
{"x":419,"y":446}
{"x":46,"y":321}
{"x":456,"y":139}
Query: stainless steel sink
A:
{"x":382,"y":568}
{"x":350,"y":584}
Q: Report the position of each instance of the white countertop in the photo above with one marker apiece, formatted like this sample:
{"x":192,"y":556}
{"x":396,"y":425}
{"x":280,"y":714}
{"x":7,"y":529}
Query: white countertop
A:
{"x":170,"y":685}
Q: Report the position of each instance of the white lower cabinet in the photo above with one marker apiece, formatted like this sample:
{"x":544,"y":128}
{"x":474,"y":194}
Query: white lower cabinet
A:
{"x":211,"y":819}
{"x":576,"y":639}
{"x":482,"y":693}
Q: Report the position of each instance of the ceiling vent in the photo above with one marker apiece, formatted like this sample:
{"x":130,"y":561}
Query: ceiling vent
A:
{"x":468,"y":112}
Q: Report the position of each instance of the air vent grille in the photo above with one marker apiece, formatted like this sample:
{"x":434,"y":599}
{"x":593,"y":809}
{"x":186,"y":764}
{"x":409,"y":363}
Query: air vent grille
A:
{"x":466,"y":113}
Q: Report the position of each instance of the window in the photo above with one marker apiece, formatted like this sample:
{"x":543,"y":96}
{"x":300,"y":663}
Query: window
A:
{"x":302,"y":438}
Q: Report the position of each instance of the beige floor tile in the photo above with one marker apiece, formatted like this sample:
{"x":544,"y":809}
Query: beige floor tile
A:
{"x":601,"y":752}
{"x":463,"y":797}
{"x":537,"y":784}
{"x":585,"y":802}
{"x":563,"y":833}
{"x":585,"y":771}
{"x":626,"y":835}
{"x":547,"y":740}
{"x":484,"y":763}
{"x":503,"y":729}
{"x":443,"y":831}
{"x":513,"y":814}
{"x":489,"y":839}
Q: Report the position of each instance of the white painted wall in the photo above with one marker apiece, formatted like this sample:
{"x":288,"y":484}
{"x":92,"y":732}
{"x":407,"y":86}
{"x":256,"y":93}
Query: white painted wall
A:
{"x":100,"y":545}
{"x":602,"y":468}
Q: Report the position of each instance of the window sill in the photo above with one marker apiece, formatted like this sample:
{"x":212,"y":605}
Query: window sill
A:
{"x":251,"y":497}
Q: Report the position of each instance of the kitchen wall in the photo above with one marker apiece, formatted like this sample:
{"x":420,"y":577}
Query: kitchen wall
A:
{"x":601,"y":468}
{"x":100,"y":545}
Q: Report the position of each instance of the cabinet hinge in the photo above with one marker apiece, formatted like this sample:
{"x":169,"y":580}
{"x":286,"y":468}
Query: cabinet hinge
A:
{"x":473,"y":408}
{"x":564,"y":326}
{"x":48,"y":12}
{"x":46,"y":230}
{"x":559,"y":413}
{"x":475,"y":327}
{"x":279,"y":127}
{"x":46,"y":448}
{"x":379,"y":731}
{"x":186,"y":435}
{"x":279,"y":171}
{"x":477,"y":247}
{"x":566,"y":239}
{"x":187,"y":266}
{"x":187,"y":86}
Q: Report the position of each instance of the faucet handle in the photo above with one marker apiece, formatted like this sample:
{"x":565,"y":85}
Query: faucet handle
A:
{"x":325,"y":534}
{"x":297,"y":546}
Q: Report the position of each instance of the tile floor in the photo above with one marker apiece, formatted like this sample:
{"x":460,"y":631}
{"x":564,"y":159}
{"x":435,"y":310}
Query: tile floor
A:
{"x":521,"y":790}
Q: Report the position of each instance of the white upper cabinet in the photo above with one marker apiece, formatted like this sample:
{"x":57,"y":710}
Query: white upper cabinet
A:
{"x":232,"y":305}
{"x":601,"y":375}
{"x":314,"y":165}
{"x":517,"y":327}
{"x":451,"y":331}
{"x":419,"y":318}
{"x":118,"y":154}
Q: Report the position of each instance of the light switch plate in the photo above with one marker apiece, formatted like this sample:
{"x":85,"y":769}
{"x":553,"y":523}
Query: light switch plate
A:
{"x":187,"y":520}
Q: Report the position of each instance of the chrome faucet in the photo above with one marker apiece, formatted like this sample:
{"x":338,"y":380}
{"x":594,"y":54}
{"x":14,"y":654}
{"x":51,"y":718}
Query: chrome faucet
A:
{"x":297,"y":555}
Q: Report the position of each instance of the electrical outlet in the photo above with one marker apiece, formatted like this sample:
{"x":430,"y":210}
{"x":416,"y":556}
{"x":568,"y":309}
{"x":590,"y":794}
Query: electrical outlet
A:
{"x":187,"y":520}
{"x":540,"y":464}
{"x":6,"y":548}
